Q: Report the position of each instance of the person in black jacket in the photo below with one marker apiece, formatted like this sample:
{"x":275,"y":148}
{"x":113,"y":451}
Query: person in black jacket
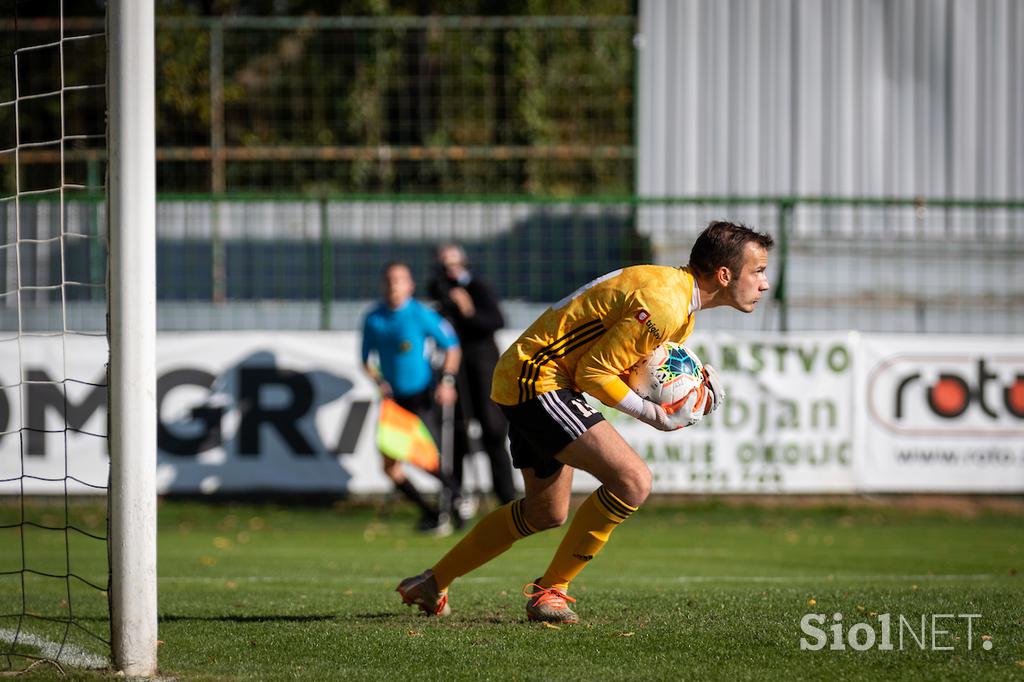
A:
{"x":471,"y":306}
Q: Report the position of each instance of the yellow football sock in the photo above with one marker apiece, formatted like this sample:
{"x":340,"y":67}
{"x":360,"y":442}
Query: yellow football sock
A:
{"x":495,"y":533}
{"x":595,"y":520}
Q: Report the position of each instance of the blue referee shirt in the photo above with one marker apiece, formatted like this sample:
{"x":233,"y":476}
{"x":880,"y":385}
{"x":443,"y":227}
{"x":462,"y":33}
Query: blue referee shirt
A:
{"x":398,"y":337}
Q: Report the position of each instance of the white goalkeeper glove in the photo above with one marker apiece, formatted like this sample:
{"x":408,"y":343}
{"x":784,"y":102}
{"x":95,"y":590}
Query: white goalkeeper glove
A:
{"x":715,"y":388}
{"x":647,"y":411}
{"x":691,"y":409}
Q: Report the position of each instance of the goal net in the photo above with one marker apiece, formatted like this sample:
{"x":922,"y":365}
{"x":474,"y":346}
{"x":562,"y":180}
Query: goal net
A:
{"x":60,"y":511}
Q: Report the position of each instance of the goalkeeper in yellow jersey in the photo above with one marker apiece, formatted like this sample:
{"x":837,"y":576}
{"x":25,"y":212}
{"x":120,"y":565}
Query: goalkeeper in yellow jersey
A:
{"x":584,"y":344}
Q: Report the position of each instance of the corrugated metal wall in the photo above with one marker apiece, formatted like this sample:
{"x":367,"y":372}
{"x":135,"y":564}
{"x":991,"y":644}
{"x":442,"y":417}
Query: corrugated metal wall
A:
{"x":850,"y":99}
{"x":831,"y":97}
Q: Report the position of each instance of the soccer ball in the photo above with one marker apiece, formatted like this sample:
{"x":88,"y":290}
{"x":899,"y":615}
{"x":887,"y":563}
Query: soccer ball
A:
{"x":667,"y":376}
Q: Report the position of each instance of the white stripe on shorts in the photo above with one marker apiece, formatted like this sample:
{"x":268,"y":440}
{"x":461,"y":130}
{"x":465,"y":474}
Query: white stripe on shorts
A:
{"x":558,"y":411}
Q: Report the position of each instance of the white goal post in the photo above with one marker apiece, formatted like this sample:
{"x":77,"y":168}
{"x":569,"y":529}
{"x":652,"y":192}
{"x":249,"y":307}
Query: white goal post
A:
{"x":131,"y":197}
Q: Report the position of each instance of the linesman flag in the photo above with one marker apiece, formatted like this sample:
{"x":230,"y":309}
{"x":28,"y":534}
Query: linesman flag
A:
{"x":403,"y":436}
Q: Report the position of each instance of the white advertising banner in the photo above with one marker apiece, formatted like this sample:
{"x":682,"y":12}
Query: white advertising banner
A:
{"x":238,"y":412}
{"x":786,"y":425}
{"x":248,"y":412}
{"x":942,"y":414}
{"x":53,"y":403}
{"x":244,"y":411}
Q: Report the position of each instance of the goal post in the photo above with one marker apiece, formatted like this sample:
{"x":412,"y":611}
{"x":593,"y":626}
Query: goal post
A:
{"x":131,"y":197}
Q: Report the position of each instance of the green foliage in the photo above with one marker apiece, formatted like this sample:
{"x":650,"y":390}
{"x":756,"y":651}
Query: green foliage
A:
{"x":523,"y":97}
{"x":183,"y":86}
{"x":396,"y":7}
{"x":455,"y":108}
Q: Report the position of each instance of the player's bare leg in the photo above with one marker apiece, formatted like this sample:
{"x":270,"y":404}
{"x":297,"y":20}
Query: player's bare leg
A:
{"x":605,"y":454}
{"x":546,"y":503}
{"x":602,"y":452}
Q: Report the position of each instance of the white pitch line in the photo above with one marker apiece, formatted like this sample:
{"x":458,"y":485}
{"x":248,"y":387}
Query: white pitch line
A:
{"x":70,"y":654}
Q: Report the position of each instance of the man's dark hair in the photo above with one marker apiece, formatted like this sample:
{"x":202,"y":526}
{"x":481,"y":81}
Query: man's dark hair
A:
{"x":723,"y":243}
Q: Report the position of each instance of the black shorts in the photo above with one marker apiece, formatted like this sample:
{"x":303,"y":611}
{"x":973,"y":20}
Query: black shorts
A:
{"x":542,"y":427}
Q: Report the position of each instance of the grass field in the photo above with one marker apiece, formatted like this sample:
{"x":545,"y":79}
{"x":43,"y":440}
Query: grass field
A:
{"x":691,"y":591}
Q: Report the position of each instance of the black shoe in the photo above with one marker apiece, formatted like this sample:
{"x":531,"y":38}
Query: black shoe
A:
{"x":464,"y":509}
{"x":438,"y":526}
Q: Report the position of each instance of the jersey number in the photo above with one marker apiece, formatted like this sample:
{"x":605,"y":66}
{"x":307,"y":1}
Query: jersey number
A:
{"x":583,"y":408}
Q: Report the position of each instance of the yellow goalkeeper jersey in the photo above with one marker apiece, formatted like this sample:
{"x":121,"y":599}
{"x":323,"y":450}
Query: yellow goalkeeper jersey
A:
{"x":589,"y":339}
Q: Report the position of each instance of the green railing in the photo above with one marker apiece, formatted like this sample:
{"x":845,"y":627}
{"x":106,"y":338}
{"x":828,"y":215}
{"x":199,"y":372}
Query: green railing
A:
{"x":297,"y":261}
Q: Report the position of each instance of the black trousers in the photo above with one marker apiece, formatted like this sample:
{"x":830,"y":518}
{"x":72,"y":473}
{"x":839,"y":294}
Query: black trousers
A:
{"x":474,"y":386}
{"x":422,"y":404}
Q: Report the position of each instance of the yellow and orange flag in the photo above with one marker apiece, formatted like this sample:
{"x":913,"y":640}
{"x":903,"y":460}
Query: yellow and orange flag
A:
{"x":403,"y":436}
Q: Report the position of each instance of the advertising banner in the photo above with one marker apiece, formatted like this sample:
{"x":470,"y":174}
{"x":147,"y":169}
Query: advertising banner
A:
{"x":263,"y":411}
{"x":238,"y":412}
{"x":53,"y":415}
{"x":251,"y":412}
{"x":786,"y":425}
{"x":946,"y":415}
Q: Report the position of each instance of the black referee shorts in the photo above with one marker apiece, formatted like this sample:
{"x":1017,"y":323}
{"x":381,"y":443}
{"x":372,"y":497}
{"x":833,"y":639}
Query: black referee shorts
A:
{"x":540,"y":428}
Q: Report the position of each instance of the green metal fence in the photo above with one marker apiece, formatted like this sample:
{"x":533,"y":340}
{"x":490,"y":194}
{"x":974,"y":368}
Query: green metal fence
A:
{"x":308,"y":262}
{"x":396,"y":133}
